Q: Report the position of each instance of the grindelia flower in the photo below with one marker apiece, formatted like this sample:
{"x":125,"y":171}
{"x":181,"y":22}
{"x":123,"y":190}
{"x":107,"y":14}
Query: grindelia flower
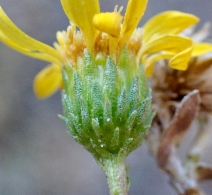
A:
{"x":100,"y":62}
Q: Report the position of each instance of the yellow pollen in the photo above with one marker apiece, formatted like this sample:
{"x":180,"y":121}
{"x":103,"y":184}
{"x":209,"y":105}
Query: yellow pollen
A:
{"x":116,"y":9}
{"x":71,"y":45}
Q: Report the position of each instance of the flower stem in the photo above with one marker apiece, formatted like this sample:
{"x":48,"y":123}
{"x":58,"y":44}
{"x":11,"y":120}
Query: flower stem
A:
{"x":116,"y":172}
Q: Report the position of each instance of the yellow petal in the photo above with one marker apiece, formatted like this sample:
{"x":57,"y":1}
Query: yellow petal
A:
{"x":12,"y":36}
{"x":108,"y":22}
{"x":181,"y":59}
{"x":201,"y":48}
{"x":47,"y":81}
{"x":33,"y":54}
{"x":179,"y":47}
{"x":135,"y":11}
{"x":150,"y":61}
{"x":169,"y":22}
{"x":81,"y":13}
{"x":169,"y":43}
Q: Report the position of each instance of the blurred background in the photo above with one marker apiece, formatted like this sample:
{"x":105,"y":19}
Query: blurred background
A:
{"x":37,"y":155}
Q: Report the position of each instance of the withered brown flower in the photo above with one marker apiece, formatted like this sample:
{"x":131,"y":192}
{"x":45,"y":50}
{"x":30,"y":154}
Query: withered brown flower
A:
{"x":180,"y":98}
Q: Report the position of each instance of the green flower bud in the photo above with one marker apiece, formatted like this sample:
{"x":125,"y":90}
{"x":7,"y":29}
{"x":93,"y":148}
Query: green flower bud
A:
{"x":107,"y":106}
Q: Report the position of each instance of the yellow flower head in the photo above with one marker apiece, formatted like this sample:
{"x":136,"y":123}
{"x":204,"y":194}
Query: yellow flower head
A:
{"x":105,"y":34}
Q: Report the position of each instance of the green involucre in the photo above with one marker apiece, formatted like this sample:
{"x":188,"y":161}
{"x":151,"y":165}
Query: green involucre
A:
{"x":107,"y":107}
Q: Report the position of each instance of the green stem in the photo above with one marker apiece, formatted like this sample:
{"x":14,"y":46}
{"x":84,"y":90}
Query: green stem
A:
{"x":116,"y":172}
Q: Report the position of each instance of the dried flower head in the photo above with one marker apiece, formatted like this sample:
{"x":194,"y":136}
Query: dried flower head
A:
{"x":180,"y":98}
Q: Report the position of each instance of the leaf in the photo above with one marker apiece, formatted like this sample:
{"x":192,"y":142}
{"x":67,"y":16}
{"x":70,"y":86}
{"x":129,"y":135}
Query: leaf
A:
{"x":184,"y":116}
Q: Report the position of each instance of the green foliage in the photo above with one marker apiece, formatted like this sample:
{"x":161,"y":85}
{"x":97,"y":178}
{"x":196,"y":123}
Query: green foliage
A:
{"x":107,"y":107}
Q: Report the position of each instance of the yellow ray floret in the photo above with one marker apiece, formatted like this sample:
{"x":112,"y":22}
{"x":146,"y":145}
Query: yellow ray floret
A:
{"x":134,"y":12}
{"x":198,"y":50}
{"x":81,"y":14}
{"x":149,"y":62}
{"x":12,"y":36}
{"x":201,"y":48}
{"x":47,"y":81}
{"x":169,"y":22}
{"x":175,"y":47}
